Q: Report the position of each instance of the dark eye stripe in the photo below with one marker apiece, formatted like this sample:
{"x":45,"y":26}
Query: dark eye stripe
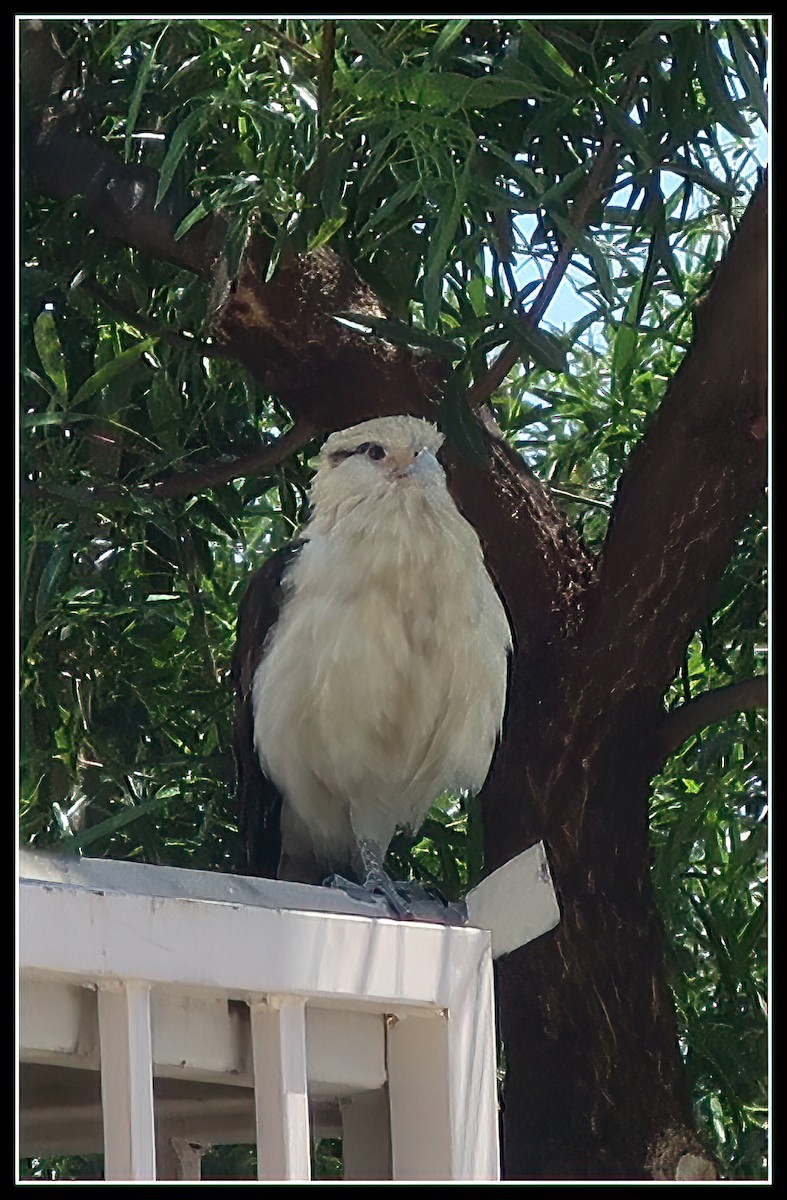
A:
{"x":373,"y":449}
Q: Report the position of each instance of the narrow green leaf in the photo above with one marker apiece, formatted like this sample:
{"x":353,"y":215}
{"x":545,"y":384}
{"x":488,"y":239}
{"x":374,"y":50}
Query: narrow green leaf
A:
{"x":197,"y":213}
{"x":624,"y":347}
{"x":389,"y":206}
{"x":448,"y":35}
{"x":437,"y":254}
{"x":712,"y":73}
{"x":50,"y":352}
{"x":113,"y":824}
{"x":113,"y":368}
{"x":364,"y":40}
{"x":177,"y":148}
{"x":329,"y":227}
{"x":587,"y":246}
{"x":402,"y":334}
{"x":458,"y":420}
{"x":140,"y":84}
{"x":705,"y":179}
{"x":543,"y":54}
{"x":747,"y":73}
{"x":544,"y":348}
{"x":34,"y":420}
{"x":445,"y":91}
{"x":50,"y":577}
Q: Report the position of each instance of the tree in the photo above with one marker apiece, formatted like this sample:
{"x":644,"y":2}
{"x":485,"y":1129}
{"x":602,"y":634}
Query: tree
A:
{"x":239,"y":234}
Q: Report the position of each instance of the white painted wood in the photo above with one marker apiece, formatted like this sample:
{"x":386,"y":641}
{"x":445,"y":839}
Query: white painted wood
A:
{"x":278,"y":1038}
{"x":127,"y":1081}
{"x":199,"y":1037}
{"x":472,"y":1076}
{"x":418,"y":1095}
{"x":366,"y":1136}
{"x":443,"y":1088}
{"x":196,"y":963}
{"x":113,"y":875}
{"x":179,"y":1158}
{"x":377,"y":963}
{"x":517,"y":902}
{"x":345,"y":1051}
{"x":58,"y":1023}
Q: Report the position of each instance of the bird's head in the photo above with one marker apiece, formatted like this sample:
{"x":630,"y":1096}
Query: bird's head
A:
{"x":376,"y":456}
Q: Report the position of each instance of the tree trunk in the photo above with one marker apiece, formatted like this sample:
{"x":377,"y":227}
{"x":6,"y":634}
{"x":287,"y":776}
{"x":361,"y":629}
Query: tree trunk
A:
{"x":595,"y":1087}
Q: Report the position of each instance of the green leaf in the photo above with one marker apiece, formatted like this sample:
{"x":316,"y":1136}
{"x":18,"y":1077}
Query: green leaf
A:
{"x":389,"y":206}
{"x":402,"y":334}
{"x":587,"y":246}
{"x":459,"y":422}
{"x":139,"y":89}
{"x":177,"y":148}
{"x":544,"y":54}
{"x":50,"y":352}
{"x":361,"y":36}
{"x":542,"y":347}
{"x":748,"y":75}
{"x":198,"y":213}
{"x":697,"y":175}
{"x":624,"y":347}
{"x":440,"y":243}
{"x":444,"y":91}
{"x":448,"y":35}
{"x":111,"y":825}
{"x":329,"y":227}
{"x":50,"y":577}
{"x":34,"y":420}
{"x":115,"y":367}
{"x":713,"y":77}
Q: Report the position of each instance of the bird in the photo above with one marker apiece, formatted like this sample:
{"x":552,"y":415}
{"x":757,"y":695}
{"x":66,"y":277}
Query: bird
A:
{"x":371,"y":663}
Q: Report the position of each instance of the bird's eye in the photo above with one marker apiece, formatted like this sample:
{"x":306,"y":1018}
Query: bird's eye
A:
{"x":372,"y":450}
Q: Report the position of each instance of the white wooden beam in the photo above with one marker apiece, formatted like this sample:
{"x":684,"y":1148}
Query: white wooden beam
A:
{"x":278,"y":1038}
{"x":127,"y":1081}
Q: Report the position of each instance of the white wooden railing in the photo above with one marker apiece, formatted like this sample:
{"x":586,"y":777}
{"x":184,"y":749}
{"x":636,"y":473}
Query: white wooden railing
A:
{"x":164,"y":1011}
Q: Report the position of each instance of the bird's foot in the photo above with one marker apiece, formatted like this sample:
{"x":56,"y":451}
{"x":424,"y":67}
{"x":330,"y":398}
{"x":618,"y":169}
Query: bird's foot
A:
{"x":407,"y":899}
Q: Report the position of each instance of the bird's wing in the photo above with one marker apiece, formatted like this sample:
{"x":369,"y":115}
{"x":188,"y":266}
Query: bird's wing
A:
{"x":259,"y":800}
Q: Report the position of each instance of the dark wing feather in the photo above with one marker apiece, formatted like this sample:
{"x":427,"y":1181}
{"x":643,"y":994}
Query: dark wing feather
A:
{"x":259,"y":800}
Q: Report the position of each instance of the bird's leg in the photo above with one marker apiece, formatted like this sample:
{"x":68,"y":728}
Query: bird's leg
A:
{"x":407,"y":898}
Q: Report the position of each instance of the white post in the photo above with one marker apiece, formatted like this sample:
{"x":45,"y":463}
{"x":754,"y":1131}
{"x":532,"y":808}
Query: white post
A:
{"x":443,"y":1090}
{"x":278,"y":1038}
{"x":126,"y":1081}
{"x":418,"y":1090}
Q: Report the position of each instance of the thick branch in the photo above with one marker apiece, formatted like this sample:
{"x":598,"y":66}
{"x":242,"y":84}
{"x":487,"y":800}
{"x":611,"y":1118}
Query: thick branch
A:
{"x":709,"y":708}
{"x":187,"y":483}
{"x":694,"y":479}
{"x":119,"y":199}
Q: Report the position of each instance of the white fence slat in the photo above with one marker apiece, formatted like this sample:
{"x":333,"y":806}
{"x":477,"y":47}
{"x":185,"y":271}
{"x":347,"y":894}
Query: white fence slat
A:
{"x":127,"y":1081}
{"x":278,"y":1037}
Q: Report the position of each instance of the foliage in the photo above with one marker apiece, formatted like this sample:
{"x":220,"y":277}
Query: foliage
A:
{"x":447,"y":159}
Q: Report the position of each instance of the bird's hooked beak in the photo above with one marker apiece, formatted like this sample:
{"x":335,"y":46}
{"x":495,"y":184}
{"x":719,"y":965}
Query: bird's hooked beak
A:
{"x":422,"y":463}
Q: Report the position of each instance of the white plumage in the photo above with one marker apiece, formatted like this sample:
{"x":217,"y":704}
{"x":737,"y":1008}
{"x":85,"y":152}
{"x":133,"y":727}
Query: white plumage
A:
{"x":383,"y":681}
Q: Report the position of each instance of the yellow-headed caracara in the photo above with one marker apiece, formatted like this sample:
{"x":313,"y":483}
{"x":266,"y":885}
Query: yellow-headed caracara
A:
{"x":371,"y":662}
